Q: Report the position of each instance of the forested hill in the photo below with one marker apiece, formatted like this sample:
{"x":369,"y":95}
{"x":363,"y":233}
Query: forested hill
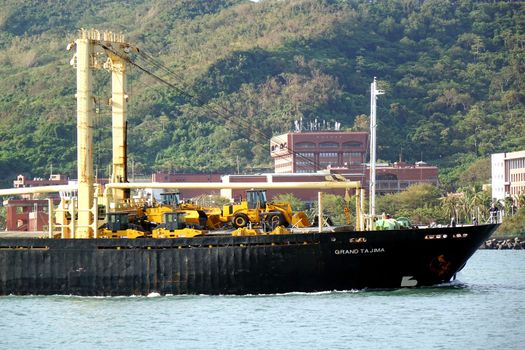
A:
{"x":240,"y":72}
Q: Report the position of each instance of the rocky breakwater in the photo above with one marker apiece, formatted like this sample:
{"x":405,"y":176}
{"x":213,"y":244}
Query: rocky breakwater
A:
{"x":504,"y":243}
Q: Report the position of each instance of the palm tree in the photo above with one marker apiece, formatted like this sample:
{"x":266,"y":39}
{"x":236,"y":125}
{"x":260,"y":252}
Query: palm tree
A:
{"x":449,"y":205}
{"x":520,"y":200}
{"x":480,"y":204}
{"x":464,"y":206}
{"x":508,"y":204}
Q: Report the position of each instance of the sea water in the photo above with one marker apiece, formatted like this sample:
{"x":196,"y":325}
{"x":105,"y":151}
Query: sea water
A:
{"x":483,"y":309}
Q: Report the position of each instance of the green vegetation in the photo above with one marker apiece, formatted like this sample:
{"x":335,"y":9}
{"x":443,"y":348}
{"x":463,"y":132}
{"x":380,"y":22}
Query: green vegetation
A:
{"x":296,"y":203}
{"x":333,"y":207}
{"x":514,"y":226}
{"x":453,"y":72}
{"x":420,"y":203}
{"x":3,"y":218}
{"x":424,"y":204}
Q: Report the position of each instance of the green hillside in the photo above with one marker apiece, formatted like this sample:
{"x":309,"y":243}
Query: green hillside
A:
{"x":240,"y":72}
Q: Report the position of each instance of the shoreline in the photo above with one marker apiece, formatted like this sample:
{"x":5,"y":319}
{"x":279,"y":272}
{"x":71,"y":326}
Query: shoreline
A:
{"x":504,"y":243}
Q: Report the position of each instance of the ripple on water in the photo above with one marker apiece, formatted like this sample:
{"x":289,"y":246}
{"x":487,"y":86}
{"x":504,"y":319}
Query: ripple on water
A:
{"x":483,"y":309}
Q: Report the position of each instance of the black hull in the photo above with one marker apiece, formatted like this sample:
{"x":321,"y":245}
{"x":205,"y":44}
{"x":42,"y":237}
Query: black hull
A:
{"x":237,"y":265}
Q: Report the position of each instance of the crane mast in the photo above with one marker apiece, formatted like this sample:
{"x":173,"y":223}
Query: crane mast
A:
{"x":86,"y":60}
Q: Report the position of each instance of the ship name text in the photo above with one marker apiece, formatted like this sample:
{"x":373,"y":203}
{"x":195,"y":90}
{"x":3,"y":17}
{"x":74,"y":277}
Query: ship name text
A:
{"x":358,"y":251}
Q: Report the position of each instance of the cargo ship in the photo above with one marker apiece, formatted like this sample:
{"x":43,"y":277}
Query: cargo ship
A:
{"x":226,"y":264}
{"x":82,"y":257}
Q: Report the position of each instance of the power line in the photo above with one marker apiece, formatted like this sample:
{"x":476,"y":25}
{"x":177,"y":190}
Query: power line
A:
{"x":151,"y":60}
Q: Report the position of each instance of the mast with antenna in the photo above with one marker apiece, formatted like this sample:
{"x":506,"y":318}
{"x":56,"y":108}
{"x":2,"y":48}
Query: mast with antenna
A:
{"x":373,"y":124}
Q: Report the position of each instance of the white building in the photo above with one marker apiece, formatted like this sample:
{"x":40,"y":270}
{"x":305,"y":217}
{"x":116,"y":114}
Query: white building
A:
{"x":508,"y":174}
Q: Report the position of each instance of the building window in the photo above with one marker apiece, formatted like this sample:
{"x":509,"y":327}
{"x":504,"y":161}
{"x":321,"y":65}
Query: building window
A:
{"x":325,"y":164}
{"x":352,"y":144}
{"x":306,"y":154}
{"x":328,"y":155}
{"x":351,"y":155}
{"x":305,"y":145}
{"x":329,"y":145}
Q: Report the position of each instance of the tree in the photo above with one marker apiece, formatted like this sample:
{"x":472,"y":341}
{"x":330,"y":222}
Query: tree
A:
{"x":513,"y":226}
{"x":520,"y":200}
{"x":477,"y":174}
{"x":449,"y":205}
{"x":420,"y":203}
{"x":2,"y":218}
{"x":296,"y":203}
{"x":333,"y":207}
{"x":361,"y":123}
{"x":480,"y":205}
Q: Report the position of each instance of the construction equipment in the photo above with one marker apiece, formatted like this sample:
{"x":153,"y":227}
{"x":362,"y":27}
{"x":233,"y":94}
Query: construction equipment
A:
{"x":245,"y":231}
{"x":118,"y":226}
{"x":174,"y":226}
{"x":194,"y":215}
{"x":255,"y":209}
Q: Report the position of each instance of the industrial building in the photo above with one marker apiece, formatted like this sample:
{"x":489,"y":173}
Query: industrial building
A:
{"x":311,"y":151}
{"x":508,"y":174}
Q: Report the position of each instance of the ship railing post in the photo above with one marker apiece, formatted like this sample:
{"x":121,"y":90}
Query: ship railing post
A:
{"x":95,"y":217}
{"x":361,"y":208}
{"x":357,"y":210}
{"x":72,"y":212}
{"x":320,"y":213}
{"x":50,"y":222}
{"x":61,"y":210}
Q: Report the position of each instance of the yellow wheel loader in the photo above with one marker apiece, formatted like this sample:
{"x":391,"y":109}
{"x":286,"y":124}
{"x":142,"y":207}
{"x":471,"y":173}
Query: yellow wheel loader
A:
{"x":193,"y":214}
{"x":255,"y":209}
{"x":118,"y":226}
{"x":174,"y":226}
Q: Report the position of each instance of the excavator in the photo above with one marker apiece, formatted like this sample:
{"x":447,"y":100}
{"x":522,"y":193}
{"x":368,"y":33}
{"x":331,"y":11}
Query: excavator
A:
{"x":255,"y":209}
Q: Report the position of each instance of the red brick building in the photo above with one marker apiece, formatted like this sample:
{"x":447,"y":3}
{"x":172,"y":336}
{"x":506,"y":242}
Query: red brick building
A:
{"x":311,"y":151}
{"x":344,"y":153}
{"x":54,"y":179}
{"x":392,"y":178}
{"x":27,"y":214}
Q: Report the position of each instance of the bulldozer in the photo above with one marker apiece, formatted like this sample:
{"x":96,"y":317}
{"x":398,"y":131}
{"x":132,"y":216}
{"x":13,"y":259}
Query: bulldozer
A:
{"x":256,"y":210}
